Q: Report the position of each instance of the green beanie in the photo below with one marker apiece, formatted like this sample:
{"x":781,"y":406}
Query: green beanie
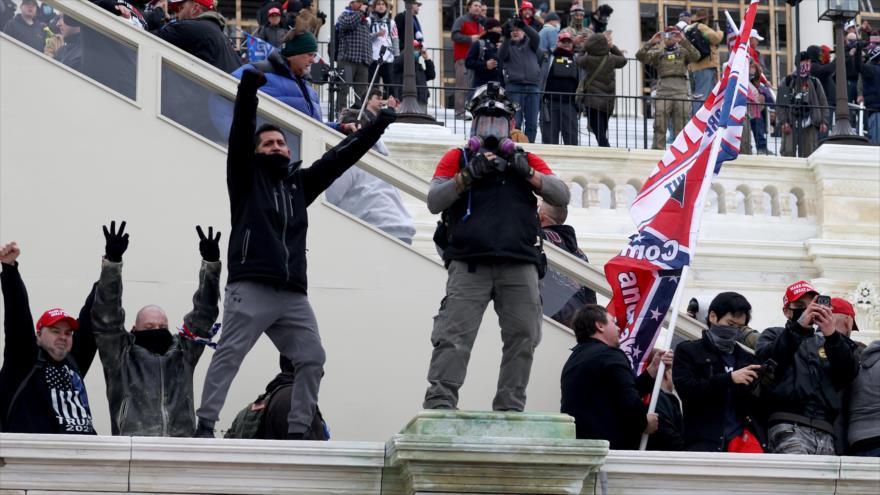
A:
{"x":302,"y":43}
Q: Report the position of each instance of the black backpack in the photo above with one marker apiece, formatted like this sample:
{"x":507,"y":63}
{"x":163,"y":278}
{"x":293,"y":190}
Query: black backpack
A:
{"x":695,"y":36}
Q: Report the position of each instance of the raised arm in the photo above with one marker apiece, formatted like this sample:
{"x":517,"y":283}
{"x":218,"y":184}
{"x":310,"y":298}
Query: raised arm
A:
{"x":198,"y":324}
{"x":108,"y":317}
{"x":338,"y":159}
{"x":239,"y":160}
{"x":84,"y":346}
{"x":20,"y":340}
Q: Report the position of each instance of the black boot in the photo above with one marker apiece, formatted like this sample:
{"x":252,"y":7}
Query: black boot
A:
{"x":203,"y":430}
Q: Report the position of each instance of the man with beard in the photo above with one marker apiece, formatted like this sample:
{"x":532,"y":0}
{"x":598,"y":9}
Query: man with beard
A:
{"x":801,"y":110}
{"x":266,"y":290}
{"x":558,"y":112}
{"x":577,"y":28}
{"x":814,"y":365}
{"x":149,"y":371}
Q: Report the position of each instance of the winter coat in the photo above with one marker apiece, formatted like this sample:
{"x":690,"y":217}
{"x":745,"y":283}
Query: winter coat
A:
{"x":281,"y":84}
{"x":400,"y":21}
{"x":871,"y":85}
{"x":28,"y":375}
{"x":811,"y":371}
{"x":71,"y":53}
{"x":203,"y":38}
{"x":462,"y":30}
{"x":480,"y":52}
{"x":520,"y":59}
{"x":268,"y":208}
{"x":423,"y":75}
{"x":864,"y":400}
{"x":31,"y":35}
{"x":274,"y":35}
{"x":669,"y":424}
{"x":389,"y":40}
{"x":151,"y":395}
{"x":548,"y":36}
{"x":600,"y":93}
{"x":603,"y":396}
{"x":706,"y":387}
{"x":788,"y":113}
{"x":306,"y":19}
{"x":355,"y":43}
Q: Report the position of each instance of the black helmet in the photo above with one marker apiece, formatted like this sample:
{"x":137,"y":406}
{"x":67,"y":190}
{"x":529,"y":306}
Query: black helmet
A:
{"x":489,"y":99}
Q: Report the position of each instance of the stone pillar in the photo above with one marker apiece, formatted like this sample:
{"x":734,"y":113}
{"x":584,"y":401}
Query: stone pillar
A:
{"x":592,"y":196}
{"x":466,"y":452}
{"x":848,"y":192}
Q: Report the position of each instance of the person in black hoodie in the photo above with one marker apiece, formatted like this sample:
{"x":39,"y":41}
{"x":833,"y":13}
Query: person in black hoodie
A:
{"x":482,"y":57}
{"x":199,"y":32}
{"x":715,"y":376}
{"x":71,"y":52}
{"x":25,"y":27}
{"x":41,"y":385}
{"x":266,"y":287}
{"x":561,"y":295}
{"x":599,"y":389}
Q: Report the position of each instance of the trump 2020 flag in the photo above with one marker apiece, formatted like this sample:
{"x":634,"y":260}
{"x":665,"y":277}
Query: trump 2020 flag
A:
{"x":667,"y":211}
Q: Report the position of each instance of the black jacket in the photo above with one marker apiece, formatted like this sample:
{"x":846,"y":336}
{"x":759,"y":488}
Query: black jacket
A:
{"x":269,"y":219}
{"x":203,"y":37}
{"x":71,"y":53}
{"x":478,"y":54}
{"x":603,"y":395}
{"x":669,"y":424}
{"x":496,"y":220}
{"x":811,"y":372}
{"x":25,"y":401}
{"x":703,"y":384}
{"x":30,"y":35}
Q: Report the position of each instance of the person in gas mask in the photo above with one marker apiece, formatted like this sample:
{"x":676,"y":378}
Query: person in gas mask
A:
{"x":490,"y":237}
{"x":149,"y":371}
{"x":815,"y":363}
{"x":802,"y":110}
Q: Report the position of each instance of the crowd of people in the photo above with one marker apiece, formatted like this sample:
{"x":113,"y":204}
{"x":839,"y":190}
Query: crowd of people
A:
{"x":805,"y":387}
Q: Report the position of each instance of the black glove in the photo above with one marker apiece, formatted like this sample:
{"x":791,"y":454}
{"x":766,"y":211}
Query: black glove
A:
{"x":253,"y":78}
{"x":115,"y":243}
{"x":322,"y":16}
{"x":519,"y":163}
{"x":478,"y":167}
{"x":506,"y":29}
{"x":209,"y":246}
{"x":386,"y":117}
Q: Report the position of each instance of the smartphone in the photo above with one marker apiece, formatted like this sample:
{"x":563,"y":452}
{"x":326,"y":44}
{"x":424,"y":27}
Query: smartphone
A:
{"x":824,"y":300}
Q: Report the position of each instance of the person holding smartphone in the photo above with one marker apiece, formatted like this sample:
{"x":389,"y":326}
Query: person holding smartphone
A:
{"x":815,"y":363}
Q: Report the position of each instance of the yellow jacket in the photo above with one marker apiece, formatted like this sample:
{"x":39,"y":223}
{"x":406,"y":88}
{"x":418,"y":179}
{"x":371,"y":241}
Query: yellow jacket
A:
{"x":715,"y":38}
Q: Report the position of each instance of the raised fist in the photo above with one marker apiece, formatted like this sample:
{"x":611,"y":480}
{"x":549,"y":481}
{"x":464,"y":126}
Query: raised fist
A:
{"x":9,"y":252}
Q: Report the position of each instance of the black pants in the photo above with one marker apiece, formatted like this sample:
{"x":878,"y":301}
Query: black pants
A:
{"x":598,"y":121}
{"x":559,"y":115}
{"x":386,"y":76}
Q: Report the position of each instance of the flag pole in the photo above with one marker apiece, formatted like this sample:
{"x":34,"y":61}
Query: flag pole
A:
{"x":676,"y":299}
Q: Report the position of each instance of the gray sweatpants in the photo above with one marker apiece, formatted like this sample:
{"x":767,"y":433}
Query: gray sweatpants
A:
{"x":249,"y":310}
{"x":514,"y":289}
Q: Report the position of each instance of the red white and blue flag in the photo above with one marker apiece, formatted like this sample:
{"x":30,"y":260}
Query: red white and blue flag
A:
{"x":667,"y":211}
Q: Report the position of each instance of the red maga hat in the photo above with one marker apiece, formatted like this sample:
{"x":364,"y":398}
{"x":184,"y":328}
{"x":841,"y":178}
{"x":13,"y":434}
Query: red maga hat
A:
{"x":54,"y":316}
{"x":843,"y":307}
{"x":796,"y":290}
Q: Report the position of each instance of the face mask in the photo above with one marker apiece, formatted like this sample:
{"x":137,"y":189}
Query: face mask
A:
{"x":277,"y":166}
{"x":157,"y":340}
{"x":797,"y":313}
{"x":493,"y":37}
{"x":723,"y":337}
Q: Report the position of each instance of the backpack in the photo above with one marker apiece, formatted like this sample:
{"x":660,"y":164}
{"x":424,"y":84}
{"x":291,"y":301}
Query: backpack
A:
{"x":695,"y":36}
{"x":248,"y":423}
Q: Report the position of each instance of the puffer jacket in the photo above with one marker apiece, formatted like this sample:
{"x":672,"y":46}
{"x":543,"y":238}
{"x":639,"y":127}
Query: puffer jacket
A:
{"x":864,"y":401}
{"x":282,"y":85}
{"x":601,"y":90}
{"x":149,"y":394}
{"x":811,"y":371}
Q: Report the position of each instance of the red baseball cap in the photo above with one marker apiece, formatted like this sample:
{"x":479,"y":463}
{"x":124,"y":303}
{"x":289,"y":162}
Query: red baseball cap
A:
{"x":175,"y":5}
{"x":53,"y":316}
{"x":274,"y":11}
{"x":564,"y":35}
{"x":796,"y":290}
{"x":843,"y":307}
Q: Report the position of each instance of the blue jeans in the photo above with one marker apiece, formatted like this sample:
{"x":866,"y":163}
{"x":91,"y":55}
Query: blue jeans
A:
{"x":704,"y":80}
{"x":528,"y":97}
{"x":760,"y":134}
{"x":874,"y":128}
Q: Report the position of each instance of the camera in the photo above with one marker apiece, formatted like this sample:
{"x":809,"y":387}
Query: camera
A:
{"x":766,"y":376}
{"x":823,"y":301}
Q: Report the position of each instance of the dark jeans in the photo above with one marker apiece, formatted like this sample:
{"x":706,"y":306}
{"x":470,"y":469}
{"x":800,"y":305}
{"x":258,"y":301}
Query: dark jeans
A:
{"x":598,"y":121}
{"x":760,"y":132}
{"x":386,"y":76}
{"x":528,"y":97}
{"x":559,"y":115}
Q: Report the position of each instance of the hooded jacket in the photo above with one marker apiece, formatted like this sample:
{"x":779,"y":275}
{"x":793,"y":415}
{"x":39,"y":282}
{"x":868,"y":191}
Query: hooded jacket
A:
{"x":864,"y":401}
{"x":601,"y":90}
{"x":520,"y":59}
{"x":151,"y":395}
{"x":268,"y":203}
{"x":274,"y":35}
{"x":811,"y":371}
{"x":31,"y":35}
{"x":203,"y":37}
{"x":26,"y":396}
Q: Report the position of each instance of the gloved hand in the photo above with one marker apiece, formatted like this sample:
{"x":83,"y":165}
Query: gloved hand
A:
{"x":115,"y":243}
{"x":476,"y":169}
{"x":385,"y":118}
{"x":252,"y":78}
{"x":209,"y":246}
{"x":519,"y":163}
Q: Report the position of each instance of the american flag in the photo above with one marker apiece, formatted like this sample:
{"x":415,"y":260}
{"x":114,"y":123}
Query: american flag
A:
{"x":69,"y":400}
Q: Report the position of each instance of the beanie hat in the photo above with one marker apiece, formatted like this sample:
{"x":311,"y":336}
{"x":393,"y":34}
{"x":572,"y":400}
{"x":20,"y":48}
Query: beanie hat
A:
{"x":491,"y":23}
{"x":551,"y":16}
{"x":302,"y":43}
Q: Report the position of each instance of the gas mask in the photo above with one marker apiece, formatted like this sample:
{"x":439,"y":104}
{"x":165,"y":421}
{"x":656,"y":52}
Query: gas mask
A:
{"x":491,"y":134}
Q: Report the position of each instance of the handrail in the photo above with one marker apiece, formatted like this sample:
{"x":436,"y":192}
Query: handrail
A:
{"x":154,"y":50}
